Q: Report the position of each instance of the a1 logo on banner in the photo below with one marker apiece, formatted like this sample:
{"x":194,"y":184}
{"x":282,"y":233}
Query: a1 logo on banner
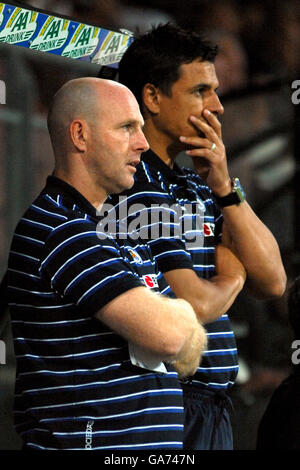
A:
{"x":83,"y":43}
{"x":112,"y":49}
{"x":20,"y":27}
{"x":53,"y":35}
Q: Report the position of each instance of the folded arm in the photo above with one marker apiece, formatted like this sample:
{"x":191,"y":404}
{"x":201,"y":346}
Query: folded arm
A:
{"x":210,"y":298}
{"x":258,"y":250}
{"x":167,"y":328}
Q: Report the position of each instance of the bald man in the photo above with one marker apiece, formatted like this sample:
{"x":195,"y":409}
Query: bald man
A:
{"x":99,"y":350}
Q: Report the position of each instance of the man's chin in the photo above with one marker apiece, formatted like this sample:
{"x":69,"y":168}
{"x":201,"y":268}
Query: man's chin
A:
{"x":124,"y":186}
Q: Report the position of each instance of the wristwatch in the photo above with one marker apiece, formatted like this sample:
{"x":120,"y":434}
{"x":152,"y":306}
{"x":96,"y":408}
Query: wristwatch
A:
{"x":237,"y":195}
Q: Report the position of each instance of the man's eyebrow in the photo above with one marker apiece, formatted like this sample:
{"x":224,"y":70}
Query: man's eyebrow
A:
{"x":134,"y":122}
{"x":204,"y":86}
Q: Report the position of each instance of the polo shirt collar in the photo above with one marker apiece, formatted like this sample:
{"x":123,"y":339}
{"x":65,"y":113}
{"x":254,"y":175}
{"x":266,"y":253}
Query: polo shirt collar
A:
{"x":57,"y":186}
{"x":171,"y":174}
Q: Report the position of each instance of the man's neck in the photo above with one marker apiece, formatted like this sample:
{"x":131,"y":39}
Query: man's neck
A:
{"x":161,"y":144}
{"x":84,"y":186}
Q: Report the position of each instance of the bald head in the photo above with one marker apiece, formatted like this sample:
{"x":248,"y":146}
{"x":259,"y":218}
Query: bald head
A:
{"x":96,"y":130}
{"x":84,"y":98}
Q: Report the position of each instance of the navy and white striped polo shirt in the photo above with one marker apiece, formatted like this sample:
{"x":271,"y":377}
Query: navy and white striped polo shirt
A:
{"x":76,"y":387}
{"x":174,"y":210}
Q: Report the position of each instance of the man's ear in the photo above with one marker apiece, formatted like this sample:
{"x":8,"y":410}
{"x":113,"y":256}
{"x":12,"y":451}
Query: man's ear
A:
{"x":151,"y":98}
{"x":78,"y":134}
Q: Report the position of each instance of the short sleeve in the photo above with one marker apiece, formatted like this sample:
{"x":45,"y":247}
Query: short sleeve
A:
{"x":84,"y":267}
{"x":150,"y":216}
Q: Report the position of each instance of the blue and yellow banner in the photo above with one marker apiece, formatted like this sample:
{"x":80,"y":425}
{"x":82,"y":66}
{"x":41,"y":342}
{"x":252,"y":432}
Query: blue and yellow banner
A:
{"x":65,"y":37}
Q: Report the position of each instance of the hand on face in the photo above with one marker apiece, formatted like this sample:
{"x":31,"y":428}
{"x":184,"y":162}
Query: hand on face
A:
{"x":209,"y":155}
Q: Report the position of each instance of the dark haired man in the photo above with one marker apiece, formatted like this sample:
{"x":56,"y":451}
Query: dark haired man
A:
{"x":172,"y":74}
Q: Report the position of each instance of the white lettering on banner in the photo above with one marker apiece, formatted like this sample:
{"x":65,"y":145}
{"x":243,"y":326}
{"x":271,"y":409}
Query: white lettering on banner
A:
{"x":52,"y":36}
{"x":112,"y":49}
{"x":20,"y":27}
{"x":83,"y":43}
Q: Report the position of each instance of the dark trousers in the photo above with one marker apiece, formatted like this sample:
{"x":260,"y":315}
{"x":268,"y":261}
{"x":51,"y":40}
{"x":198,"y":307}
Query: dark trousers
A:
{"x":207,"y":422}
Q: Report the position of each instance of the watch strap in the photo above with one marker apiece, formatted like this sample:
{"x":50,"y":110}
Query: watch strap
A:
{"x":237,"y":195}
{"x":229,"y":200}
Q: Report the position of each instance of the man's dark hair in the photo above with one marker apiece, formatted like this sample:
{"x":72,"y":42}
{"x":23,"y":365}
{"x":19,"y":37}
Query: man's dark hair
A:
{"x":294,"y":306}
{"x":156,"y":56}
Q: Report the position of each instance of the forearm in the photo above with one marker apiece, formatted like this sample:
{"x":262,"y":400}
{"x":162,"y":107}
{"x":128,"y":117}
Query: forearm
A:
{"x":160,"y":325}
{"x":210,"y":298}
{"x":220,"y":293}
{"x":194,"y":341}
{"x":257,"y":249}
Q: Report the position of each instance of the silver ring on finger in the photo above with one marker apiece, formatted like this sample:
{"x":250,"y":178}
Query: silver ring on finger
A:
{"x":213,"y":146}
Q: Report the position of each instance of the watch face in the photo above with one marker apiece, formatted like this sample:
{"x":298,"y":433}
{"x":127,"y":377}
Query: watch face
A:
{"x":235,"y":197}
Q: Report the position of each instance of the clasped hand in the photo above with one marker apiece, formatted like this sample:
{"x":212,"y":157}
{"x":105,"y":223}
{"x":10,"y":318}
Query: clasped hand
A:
{"x":208,"y":153}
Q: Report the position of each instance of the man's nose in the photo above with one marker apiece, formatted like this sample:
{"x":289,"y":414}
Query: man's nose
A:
{"x":216,"y":105}
{"x":141,"y":141}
